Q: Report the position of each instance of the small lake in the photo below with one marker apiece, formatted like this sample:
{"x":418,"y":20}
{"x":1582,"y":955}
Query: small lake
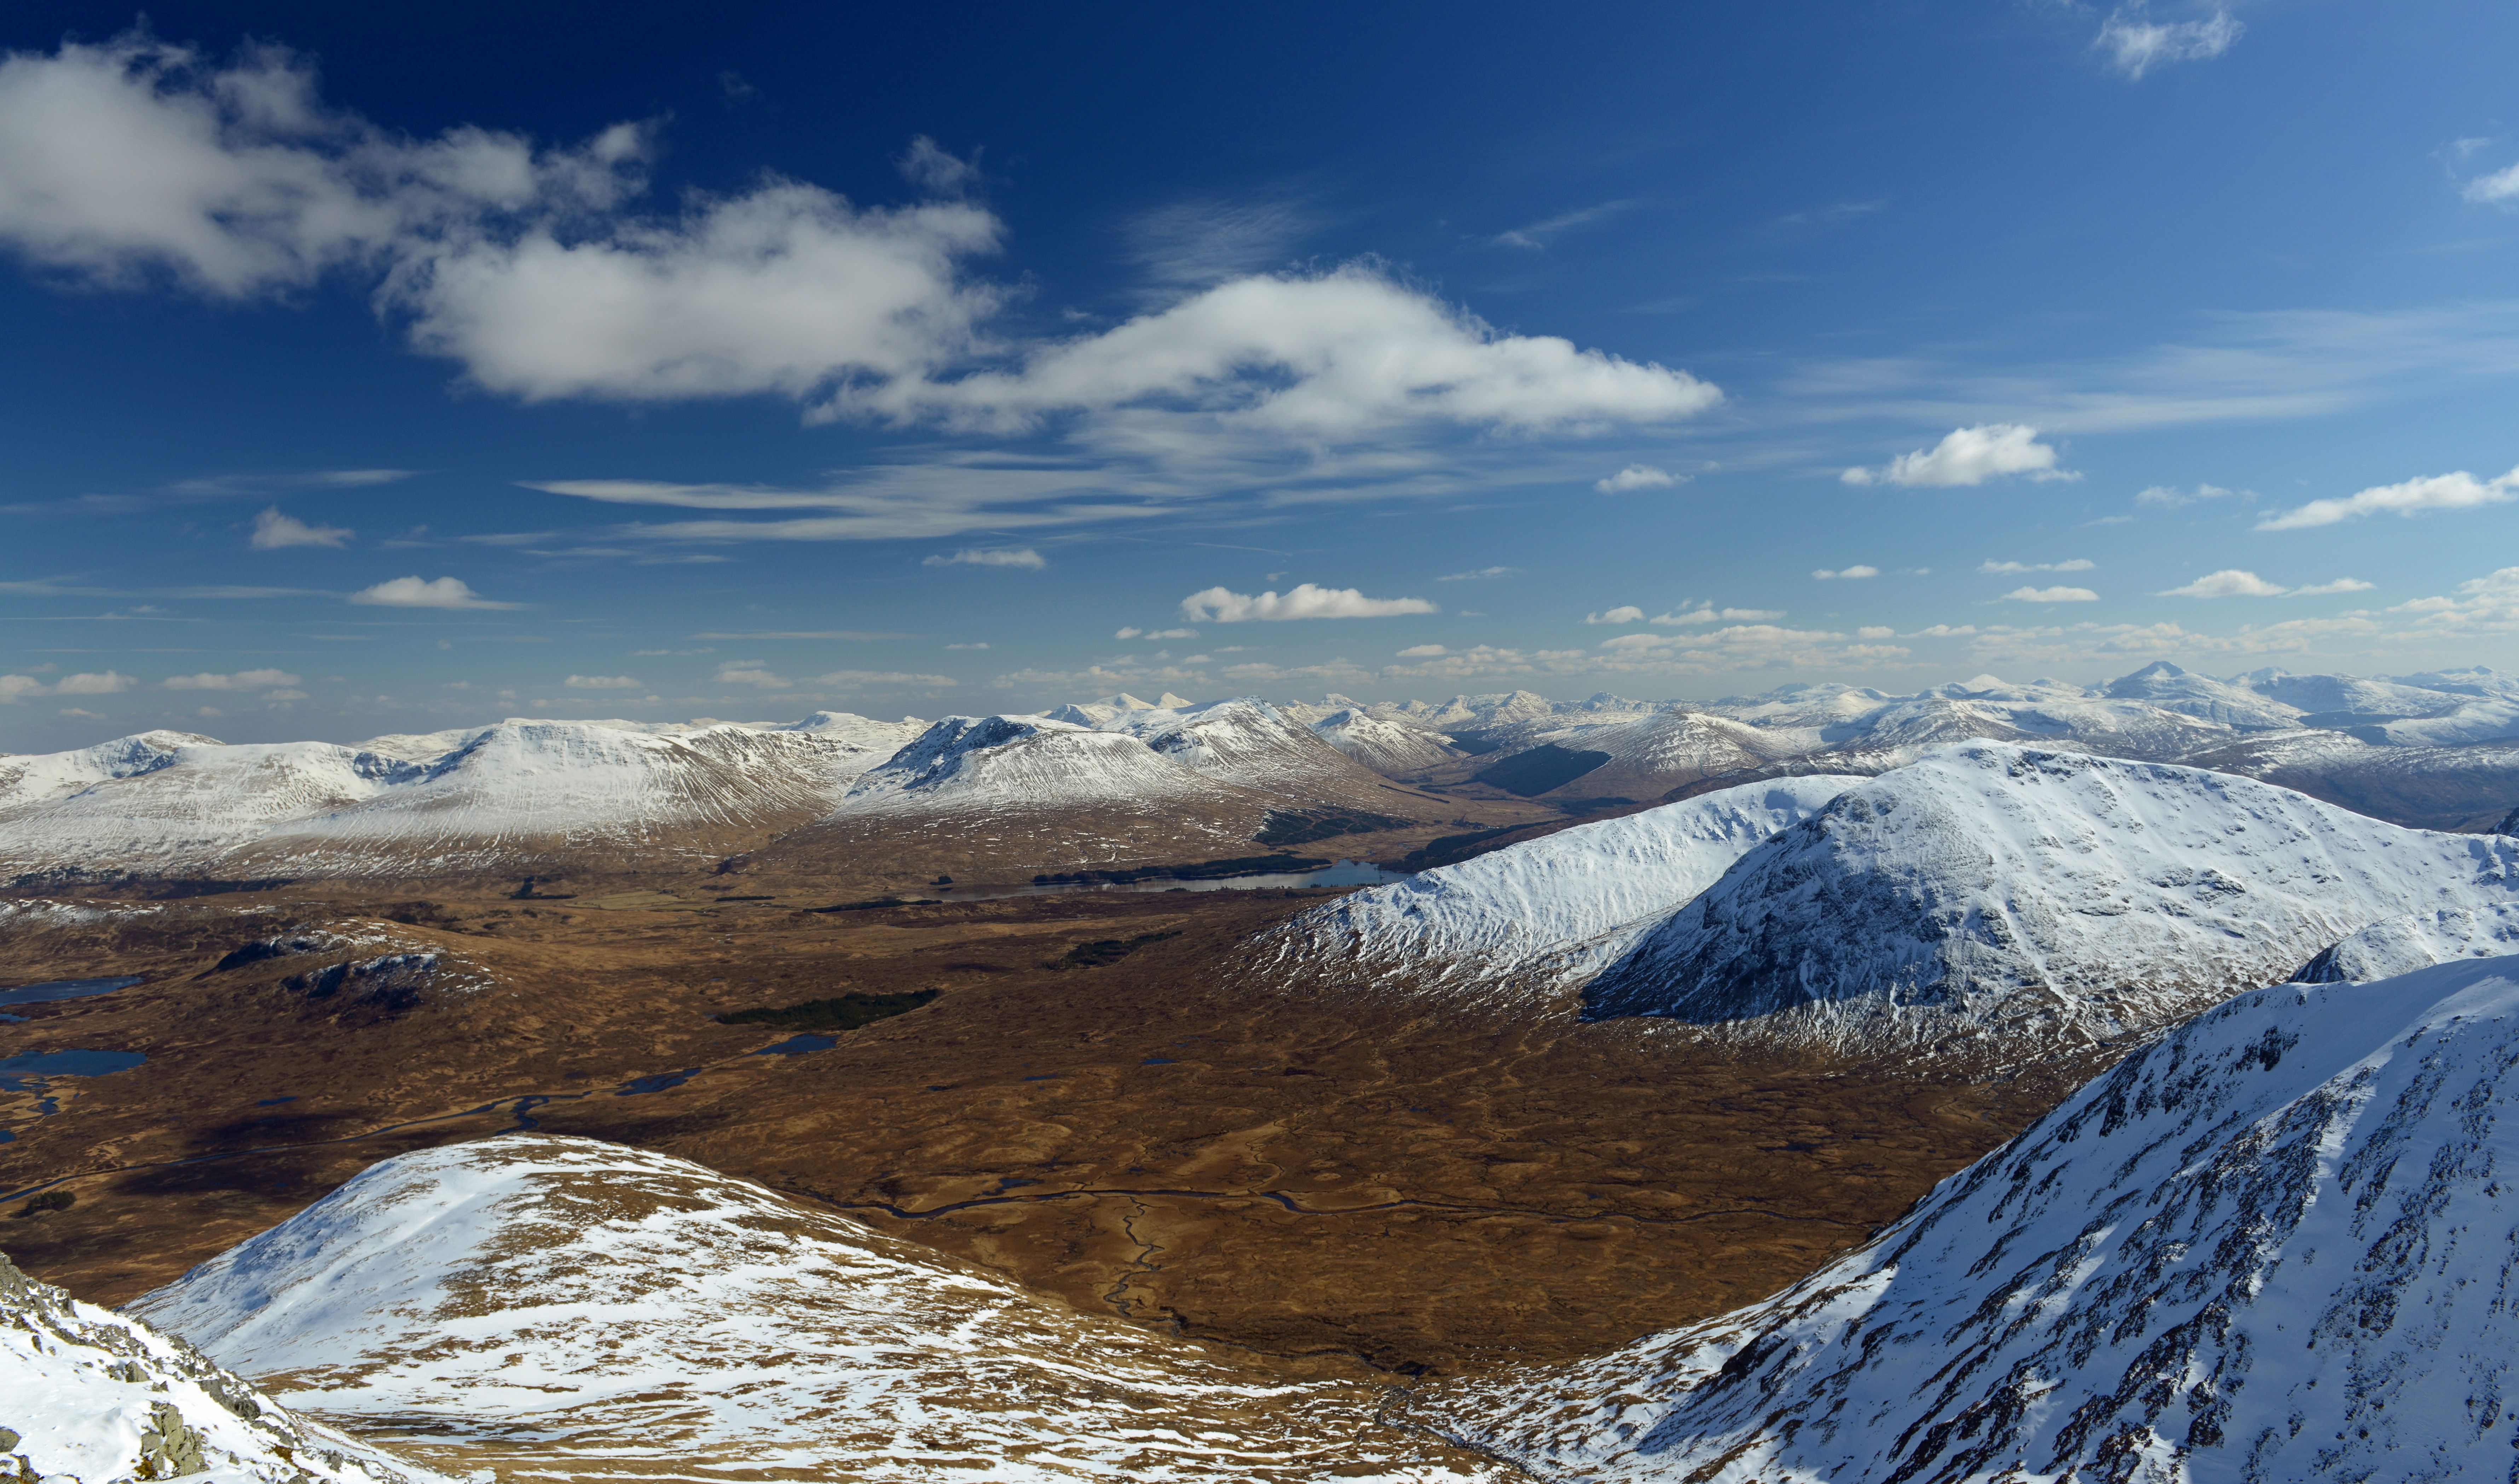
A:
{"x":1345,"y":873}
{"x":64,"y":990}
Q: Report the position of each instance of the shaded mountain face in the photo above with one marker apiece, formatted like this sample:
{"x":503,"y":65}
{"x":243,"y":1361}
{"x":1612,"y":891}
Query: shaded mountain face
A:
{"x":525,"y":1287}
{"x":1994,"y":901}
{"x":520,"y":795}
{"x":87,"y":1393}
{"x":1553,"y":909}
{"x":2470,"y":787}
{"x":2269,"y":1246}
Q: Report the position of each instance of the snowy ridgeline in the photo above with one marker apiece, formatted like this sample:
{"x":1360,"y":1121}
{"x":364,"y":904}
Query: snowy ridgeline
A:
{"x":88,"y":1394}
{"x":505,"y":1293}
{"x":1988,"y":897}
{"x":2273,"y":1246}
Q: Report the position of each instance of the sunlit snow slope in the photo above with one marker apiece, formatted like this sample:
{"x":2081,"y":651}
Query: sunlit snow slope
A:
{"x":566,"y":1306}
{"x":88,"y":1394}
{"x":2275,"y":1247}
{"x":1992,"y":897}
{"x":1568,"y":902}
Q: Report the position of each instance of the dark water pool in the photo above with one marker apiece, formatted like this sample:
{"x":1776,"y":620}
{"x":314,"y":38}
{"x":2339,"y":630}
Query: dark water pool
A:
{"x":62,"y":989}
{"x":798,"y":1045}
{"x":23,"y":1073}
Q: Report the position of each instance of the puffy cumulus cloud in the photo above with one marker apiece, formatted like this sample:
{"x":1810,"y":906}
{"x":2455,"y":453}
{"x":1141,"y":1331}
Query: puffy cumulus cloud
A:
{"x":1970,"y":456}
{"x":17,"y":688}
{"x":751,"y":673}
{"x":2487,"y":604}
{"x":2460,"y":491}
{"x":94,"y":683}
{"x":2016,"y":569}
{"x":273,"y":530}
{"x":1424,"y":652}
{"x":436,"y":593}
{"x":2170,"y":497}
{"x":996,"y":556}
{"x":790,"y":289}
{"x":1624,"y":613}
{"x":1857,"y":571}
{"x":2501,"y":187}
{"x":2052,"y":596}
{"x":2231,"y":582}
{"x":2134,"y":43}
{"x":1336,"y":355}
{"x":1875,"y":632}
{"x":1638,"y":476}
{"x":869,"y":680}
{"x":284,"y":694}
{"x":1304,"y":601}
{"x":1709,"y":614}
{"x":242,"y":679}
{"x":1944,"y":631}
{"x":602,"y":682}
{"x":1481,"y":573}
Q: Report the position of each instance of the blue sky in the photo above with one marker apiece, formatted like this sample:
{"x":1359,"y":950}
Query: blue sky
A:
{"x":371,"y":376}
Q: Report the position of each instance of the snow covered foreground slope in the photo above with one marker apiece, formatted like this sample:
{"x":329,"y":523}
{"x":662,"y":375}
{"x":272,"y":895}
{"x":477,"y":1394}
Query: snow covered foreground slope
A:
{"x":2275,"y":1247}
{"x":88,"y":1394}
{"x":540,"y":1304}
{"x":1565,"y":903}
{"x":1991,"y":899}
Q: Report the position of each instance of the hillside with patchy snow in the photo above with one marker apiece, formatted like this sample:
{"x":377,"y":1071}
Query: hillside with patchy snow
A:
{"x":2273,"y":1246}
{"x":87,"y":1394}
{"x":1560,"y":905}
{"x":1991,"y":899}
{"x":478,"y":1301}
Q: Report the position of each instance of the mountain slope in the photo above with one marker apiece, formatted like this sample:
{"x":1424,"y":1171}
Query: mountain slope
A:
{"x":86,"y":1393}
{"x":1391,"y":748}
{"x":1991,"y":899}
{"x":1564,"y":903}
{"x":2273,"y":1246}
{"x":527,"y":1288}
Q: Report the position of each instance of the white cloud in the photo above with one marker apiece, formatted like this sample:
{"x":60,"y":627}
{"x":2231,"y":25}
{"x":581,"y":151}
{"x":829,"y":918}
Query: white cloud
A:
{"x":1625,"y":613}
{"x":437,"y":593}
{"x":1480,"y":575}
{"x":2499,"y":188}
{"x":1875,"y":632}
{"x":2136,"y":43}
{"x":1970,"y":456}
{"x":1854,"y":573}
{"x":1638,"y":476}
{"x":1944,"y":631}
{"x":857,"y":679}
{"x":1015,"y":556}
{"x":17,"y":688}
{"x":978,"y":644}
{"x":1302,"y":601}
{"x":1335,"y":355}
{"x":242,"y":679}
{"x":1423,"y":651}
{"x":2484,"y":605}
{"x":1711,"y":615}
{"x":602,"y":682}
{"x":2230,"y":582}
{"x":938,"y":171}
{"x":753,"y":673}
{"x":1174,"y":634}
{"x":2170,"y":497}
{"x":273,"y":530}
{"x":2328,"y":589}
{"x":2016,"y":569}
{"x":2052,"y":596}
{"x":2461,"y":491}
{"x":109,"y":683}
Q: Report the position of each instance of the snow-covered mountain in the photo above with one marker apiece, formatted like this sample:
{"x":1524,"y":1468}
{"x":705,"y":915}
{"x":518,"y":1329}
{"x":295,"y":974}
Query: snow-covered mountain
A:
{"x":1991,"y":901}
{"x":88,"y":1394}
{"x":2274,"y":1245}
{"x":487,"y":798}
{"x":480,"y":1301}
{"x":1241,"y":740}
{"x":1031,"y":765}
{"x":1393,"y":749}
{"x":1559,"y":906}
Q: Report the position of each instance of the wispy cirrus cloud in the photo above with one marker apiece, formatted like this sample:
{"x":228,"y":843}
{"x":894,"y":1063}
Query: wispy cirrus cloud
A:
{"x":2134,"y":42}
{"x":2458,"y":491}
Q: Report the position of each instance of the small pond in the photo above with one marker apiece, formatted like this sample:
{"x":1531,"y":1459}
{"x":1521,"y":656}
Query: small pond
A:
{"x":62,"y":989}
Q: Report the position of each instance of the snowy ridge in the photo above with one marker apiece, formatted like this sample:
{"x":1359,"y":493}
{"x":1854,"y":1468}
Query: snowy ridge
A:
{"x":516,"y":1291}
{"x":1241,"y":740}
{"x":1564,"y":903}
{"x":2273,"y":1246}
{"x":1027,"y":763}
{"x":88,"y":1394}
{"x":492,"y":794}
{"x":2012,"y":897}
{"x":1387,"y":747}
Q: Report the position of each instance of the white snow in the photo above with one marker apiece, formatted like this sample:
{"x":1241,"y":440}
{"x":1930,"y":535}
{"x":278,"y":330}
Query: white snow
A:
{"x":1569,"y":901}
{"x":526,"y":1289}
{"x":92,"y":1396}
{"x":2273,"y":1246}
{"x":1026,"y":763}
{"x":1392,"y":748}
{"x":1991,"y":889}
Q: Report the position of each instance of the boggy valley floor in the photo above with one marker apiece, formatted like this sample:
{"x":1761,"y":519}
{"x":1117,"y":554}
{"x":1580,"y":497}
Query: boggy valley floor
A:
{"x":1327,"y":1179}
